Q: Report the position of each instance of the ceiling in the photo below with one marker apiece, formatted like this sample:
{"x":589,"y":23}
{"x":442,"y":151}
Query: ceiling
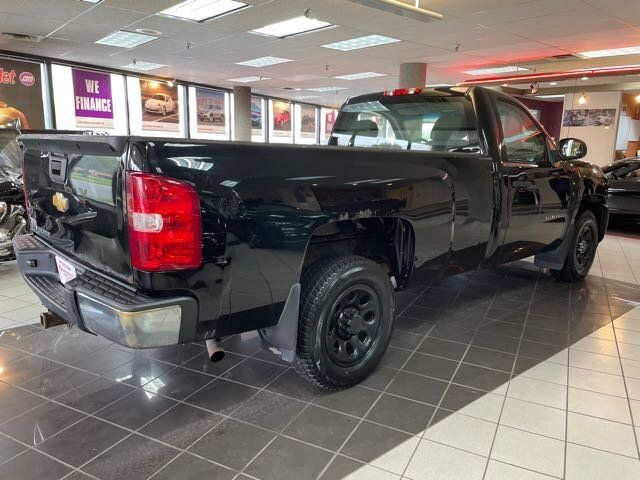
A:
{"x":485,"y":32}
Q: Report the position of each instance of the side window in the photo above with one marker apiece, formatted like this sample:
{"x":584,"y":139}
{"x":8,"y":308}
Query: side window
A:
{"x":524,"y":141}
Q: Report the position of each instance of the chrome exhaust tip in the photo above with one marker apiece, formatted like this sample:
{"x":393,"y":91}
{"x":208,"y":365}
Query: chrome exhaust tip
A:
{"x":50,"y":319}
{"x":215,"y":350}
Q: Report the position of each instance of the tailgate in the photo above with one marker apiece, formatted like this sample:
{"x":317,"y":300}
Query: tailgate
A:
{"x":74,"y":184}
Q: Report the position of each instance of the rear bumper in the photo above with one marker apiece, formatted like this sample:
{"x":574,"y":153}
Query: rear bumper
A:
{"x":102,"y":306}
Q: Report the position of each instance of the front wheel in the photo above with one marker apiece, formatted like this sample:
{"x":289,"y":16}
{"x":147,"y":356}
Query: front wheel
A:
{"x":582,"y":251}
{"x":346,"y":320}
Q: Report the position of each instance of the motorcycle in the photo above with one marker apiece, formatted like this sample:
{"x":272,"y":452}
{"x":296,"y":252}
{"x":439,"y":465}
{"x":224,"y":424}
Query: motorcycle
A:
{"x":13,"y":212}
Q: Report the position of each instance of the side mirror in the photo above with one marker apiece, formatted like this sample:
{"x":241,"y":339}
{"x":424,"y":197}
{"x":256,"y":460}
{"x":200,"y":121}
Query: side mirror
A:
{"x":572,"y":148}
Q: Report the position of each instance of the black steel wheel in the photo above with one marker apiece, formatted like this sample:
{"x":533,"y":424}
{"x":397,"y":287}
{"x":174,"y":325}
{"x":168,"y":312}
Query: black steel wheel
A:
{"x":346,"y":319}
{"x":582,"y":251}
{"x":353,"y":325}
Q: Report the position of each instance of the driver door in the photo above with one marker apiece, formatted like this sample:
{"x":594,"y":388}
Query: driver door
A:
{"x":537,"y":183}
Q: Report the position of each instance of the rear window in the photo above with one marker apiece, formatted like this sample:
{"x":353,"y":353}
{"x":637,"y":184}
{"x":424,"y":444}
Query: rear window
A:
{"x":93,"y":177}
{"x":443,"y":124}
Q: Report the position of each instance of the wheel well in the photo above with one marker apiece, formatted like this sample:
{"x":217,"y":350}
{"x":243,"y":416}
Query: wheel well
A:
{"x":388,"y":241}
{"x":596,"y":206}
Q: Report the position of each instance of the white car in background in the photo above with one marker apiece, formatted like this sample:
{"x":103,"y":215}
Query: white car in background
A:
{"x":160,"y":103}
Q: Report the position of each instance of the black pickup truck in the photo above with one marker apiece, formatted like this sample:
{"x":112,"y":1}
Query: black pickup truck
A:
{"x":152,"y":242}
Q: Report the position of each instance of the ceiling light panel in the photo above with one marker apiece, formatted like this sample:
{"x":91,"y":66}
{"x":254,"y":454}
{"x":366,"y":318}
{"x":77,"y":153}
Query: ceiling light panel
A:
{"x":492,"y":70}
{"x":361,"y":42}
{"x":202,"y":10}
{"x":293,"y":26}
{"x":611,"y":52}
{"x":144,"y":66}
{"x":305,"y":97}
{"x":359,"y":76}
{"x":125,"y":39}
{"x":252,"y":78}
{"x":326,"y":89}
{"x":264,"y":61}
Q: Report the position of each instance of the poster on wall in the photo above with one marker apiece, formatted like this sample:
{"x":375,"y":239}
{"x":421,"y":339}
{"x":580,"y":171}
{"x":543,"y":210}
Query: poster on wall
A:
{"x":21,"y":94}
{"x":92,"y":98}
{"x":307,"y":121}
{"x":593,"y":117}
{"x":256,"y":116}
{"x":211,"y":111}
{"x":281,"y":119}
{"x":160,"y":110}
{"x":330,"y":119}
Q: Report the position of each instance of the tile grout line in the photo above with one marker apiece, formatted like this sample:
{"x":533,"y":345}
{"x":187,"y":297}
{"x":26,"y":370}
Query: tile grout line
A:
{"x":506,"y":394}
{"x":381,"y":393}
{"x":446,"y":389}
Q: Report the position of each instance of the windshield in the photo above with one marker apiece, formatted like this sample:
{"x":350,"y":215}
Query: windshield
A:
{"x":157,"y":96}
{"x":417,"y":122}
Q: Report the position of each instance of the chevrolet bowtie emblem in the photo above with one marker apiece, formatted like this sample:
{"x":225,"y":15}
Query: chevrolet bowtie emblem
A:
{"x":60,"y":202}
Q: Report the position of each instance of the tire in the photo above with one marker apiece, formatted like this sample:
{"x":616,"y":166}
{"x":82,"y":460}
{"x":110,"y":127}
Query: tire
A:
{"x":345,"y":301}
{"x":164,"y":111}
{"x":582,"y":251}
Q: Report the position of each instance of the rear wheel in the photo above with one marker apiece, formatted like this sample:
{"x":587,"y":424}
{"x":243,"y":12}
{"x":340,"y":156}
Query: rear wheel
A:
{"x":582,"y":251}
{"x":346,"y":319}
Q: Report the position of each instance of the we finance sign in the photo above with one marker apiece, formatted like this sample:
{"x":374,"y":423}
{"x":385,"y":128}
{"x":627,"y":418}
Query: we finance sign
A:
{"x":93,"y":100}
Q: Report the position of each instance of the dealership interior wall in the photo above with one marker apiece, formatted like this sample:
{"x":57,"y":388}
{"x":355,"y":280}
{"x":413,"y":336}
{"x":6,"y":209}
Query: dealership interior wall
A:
{"x":306,"y":123}
{"x":496,"y":373}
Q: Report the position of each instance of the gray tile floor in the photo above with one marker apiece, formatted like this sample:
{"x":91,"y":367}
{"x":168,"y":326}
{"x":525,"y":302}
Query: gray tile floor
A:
{"x":501,"y":374}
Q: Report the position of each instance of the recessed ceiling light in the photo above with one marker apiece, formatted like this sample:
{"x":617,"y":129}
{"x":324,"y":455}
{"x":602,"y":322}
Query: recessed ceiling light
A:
{"x":125,"y":39}
{"x":486,"y":71}
{"x":358,"y":76}
{"x":293,"y":26}
{"x":144,"y":66}
{"x":584,"y":78}
{"x":203,"y":10}
{"x":264,"y":61}
{"x":326,"y":89}
{"x":361,"y":42}
{"x":560,"y":95}
{"x":252,"y":78}
{"x":505,"y":84}
{"x":611,"y":52}
{"x":149,"y":31}
{"x":553,"y":83}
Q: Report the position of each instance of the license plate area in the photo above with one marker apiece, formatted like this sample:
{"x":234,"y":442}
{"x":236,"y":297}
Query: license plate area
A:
{"x":66,"y":270}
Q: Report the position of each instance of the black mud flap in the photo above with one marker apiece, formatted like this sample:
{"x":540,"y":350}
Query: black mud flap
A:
{"x":282,"y":338}
{"x":554,"y":259}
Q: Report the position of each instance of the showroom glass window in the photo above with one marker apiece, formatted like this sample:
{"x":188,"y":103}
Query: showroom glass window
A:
{"x":523,"y":140}
{"x":416,"y":122}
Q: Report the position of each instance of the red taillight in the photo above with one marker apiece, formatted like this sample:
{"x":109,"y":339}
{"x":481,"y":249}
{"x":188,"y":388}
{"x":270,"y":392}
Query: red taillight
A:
{"x":399,"y":92}
{"x":165,"y":226}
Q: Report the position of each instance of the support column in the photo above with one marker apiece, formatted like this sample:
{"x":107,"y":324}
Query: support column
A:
{"x":242,"y":113}
{"x":413,"y":75}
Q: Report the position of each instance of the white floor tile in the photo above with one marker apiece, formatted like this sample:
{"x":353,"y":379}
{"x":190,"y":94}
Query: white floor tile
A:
{"x":601,"y":434}
{"x":599,"y":405}
{"x":549,"y":372}
{"x":629,"y":351}
{"x":528,"y":450}
{"x":595,"y":361}
{"x":466,"y":433}
{"x":628,"y":336}
{"x":589,"y":464}
{"x":534,"y":418}
{"x":502,"y":471}
{"x":537,"y":391}
{"x":596,"y":381}
{"x":596,"y":345}
{"x":433,"y":461}
{"x":631,"y":368}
